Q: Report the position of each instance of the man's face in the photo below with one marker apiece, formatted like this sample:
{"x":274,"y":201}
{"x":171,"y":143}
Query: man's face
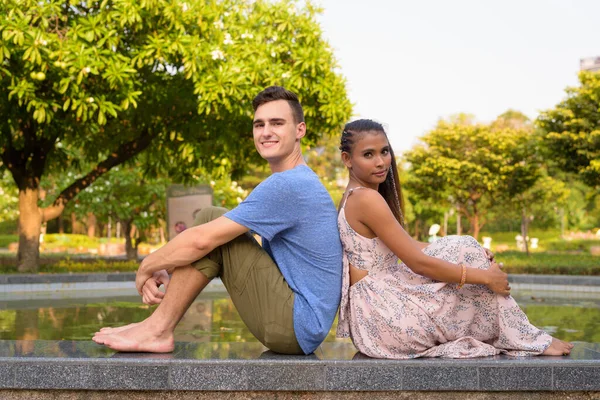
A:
{"x":275,"y":130}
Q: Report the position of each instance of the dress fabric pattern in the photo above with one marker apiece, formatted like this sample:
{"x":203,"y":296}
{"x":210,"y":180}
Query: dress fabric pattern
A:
{"x":394,"y":313}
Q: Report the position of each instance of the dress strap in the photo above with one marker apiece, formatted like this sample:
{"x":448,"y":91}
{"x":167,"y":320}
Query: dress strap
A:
{"x":350,"y":192}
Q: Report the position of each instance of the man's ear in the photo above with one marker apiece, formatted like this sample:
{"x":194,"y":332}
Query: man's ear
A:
{"x":346,"y":159}
{"x":300,"y":130}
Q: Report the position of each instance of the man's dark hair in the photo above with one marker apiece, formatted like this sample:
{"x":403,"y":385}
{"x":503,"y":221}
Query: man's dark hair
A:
{"x":273,"y":93}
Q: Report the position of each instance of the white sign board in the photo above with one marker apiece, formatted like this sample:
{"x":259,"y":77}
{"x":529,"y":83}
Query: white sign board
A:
{"x":183,"y":203}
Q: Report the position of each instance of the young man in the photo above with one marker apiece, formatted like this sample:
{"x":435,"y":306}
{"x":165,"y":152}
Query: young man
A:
{"x":287,"y":291}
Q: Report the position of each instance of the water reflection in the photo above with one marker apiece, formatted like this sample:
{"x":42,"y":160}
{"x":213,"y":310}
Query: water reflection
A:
{"x":215,"y":319}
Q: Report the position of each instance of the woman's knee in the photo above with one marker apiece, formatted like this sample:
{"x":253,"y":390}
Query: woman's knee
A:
{"x":208,"y":214}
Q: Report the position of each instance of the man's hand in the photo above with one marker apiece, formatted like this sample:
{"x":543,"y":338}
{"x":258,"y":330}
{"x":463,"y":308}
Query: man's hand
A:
{"x":141,"y":277}
{"x":498,"y":280}
{"x":150,"y":293}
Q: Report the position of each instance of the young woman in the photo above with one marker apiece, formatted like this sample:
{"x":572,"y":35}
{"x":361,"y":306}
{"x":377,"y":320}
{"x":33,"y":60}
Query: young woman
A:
{"x":445,"y":299}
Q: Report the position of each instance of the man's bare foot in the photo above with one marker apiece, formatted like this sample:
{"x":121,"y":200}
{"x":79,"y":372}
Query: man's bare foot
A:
{"x":108,"y":330}
{"x":558,"y":348}
{"x":142,"y":338}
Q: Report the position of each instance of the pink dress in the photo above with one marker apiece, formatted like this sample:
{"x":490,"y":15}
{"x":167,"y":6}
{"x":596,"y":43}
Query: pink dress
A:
{"x":395,"y":313}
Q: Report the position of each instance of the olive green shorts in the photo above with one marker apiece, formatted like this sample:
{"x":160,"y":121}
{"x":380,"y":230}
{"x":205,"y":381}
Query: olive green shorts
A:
{"x":257,"y":288}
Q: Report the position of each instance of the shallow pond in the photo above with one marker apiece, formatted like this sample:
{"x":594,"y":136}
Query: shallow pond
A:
{"x":213,"y":318}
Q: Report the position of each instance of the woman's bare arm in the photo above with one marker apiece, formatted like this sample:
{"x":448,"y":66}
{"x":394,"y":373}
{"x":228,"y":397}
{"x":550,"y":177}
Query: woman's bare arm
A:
{"x":369,"y":209}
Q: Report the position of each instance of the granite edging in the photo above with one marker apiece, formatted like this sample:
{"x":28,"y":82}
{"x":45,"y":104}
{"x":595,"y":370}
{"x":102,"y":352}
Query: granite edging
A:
{"x":297,"y":375}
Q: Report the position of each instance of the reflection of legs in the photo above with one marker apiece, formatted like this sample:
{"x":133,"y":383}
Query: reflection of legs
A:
{"x":155,"y":334}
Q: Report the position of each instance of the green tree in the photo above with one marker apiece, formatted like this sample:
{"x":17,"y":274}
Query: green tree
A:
{"x":572,"y":129}
{"x":325,"y":159}
{"x":113,"y":78}
{"x":128,"y":196}
{"x":471,"y":166}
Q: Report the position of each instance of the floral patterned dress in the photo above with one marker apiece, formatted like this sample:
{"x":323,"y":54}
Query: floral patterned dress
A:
{"x":394,"y":313}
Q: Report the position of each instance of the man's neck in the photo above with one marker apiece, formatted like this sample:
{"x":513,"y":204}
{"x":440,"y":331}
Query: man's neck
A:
{"x":290,"y":162}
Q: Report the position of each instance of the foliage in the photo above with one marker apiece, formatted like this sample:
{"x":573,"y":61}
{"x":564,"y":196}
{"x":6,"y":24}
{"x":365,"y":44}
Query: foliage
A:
{"x":9,"y":198}
{"x":5,"y":240}
{"x":509,"y":237}
{"x":125,"y":193}
{"x":325,"y":160}
{"x":63,"y":264}
{"x":420,"y":210}
{"x":516,"y":262}
{"x":68,"y":265}
{"x":572,"y":245}
{"x":227,"y":193}
{"x":472,"y":166}
{"x":99,"y":82}
{"x":572,"y":129}
{"x":70,"y":241}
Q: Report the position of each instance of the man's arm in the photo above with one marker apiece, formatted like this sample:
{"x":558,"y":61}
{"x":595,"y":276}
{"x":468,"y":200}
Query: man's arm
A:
{"x":189,"y":246}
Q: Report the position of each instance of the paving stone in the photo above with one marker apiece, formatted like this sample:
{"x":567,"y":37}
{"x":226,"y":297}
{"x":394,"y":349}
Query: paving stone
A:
{"x":274,"y":376}
{"x":577,"y":378}
{"x":208,"y":377}
{"x":53,"y":375}
{"x":7,"y":375}
{"x":120,"y":377}
{"x":363,"y":377}
{"x":440,"y":378}
{"x":515,"y":378}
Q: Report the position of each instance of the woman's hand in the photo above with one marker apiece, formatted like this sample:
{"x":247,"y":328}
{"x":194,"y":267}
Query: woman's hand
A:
{"x":488,"y":253}
{"x":498,"y":280}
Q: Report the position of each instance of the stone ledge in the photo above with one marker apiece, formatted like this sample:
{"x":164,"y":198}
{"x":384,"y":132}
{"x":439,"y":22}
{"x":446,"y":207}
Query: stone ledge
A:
{"x":335,"y":366}
{"x":65,"y":394}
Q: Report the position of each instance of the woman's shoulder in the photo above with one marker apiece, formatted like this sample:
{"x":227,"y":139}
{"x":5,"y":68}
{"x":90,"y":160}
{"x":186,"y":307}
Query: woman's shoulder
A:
{"x":364,"y":195}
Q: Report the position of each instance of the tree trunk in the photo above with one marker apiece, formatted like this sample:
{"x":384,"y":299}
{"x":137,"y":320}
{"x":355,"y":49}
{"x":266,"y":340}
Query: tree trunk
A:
{"x":474,"y":221}
{"x":30,"y":223}
{"x":445,"y":231}
{"x":61,"y":224}
{"x":161,"y":230}
{"x":130,"y":250}
{"x":524,"y":229}
{"x":91,"y":225}
{"x":417,"y":229}
{"x":73,"y":223}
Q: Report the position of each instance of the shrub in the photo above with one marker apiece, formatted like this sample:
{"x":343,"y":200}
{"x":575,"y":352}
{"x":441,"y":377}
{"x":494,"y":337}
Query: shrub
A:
{"x":5,"y":240}
{"x":516,"y":262}
{"x":571,"y":245}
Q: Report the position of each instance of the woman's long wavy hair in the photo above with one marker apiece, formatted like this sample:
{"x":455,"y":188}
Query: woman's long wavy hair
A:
{"x":390,"y":189}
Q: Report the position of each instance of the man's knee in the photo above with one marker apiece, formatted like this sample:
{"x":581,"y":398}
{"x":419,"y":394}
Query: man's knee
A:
{"x":208,"y":214}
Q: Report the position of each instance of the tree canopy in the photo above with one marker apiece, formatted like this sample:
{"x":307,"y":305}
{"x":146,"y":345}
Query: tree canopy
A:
{"x":472,"y":166}
{"x":113,"y":78}
{"x":572,"y":129}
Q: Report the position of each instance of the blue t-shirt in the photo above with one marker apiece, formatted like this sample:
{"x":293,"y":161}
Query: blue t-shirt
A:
{"x":297,"y":220}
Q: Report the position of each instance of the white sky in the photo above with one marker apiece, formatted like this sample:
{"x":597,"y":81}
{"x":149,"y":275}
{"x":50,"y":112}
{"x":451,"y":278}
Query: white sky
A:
{"x":410,"y":62}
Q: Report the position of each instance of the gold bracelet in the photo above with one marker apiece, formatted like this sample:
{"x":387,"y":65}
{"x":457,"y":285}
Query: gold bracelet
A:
{"x":463,"y":277}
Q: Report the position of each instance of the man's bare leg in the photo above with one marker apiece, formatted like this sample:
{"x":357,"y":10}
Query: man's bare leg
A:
{"x":155,"y":333}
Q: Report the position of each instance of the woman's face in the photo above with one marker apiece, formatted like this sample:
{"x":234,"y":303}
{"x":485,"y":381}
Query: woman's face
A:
{"x":370,"y":160}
